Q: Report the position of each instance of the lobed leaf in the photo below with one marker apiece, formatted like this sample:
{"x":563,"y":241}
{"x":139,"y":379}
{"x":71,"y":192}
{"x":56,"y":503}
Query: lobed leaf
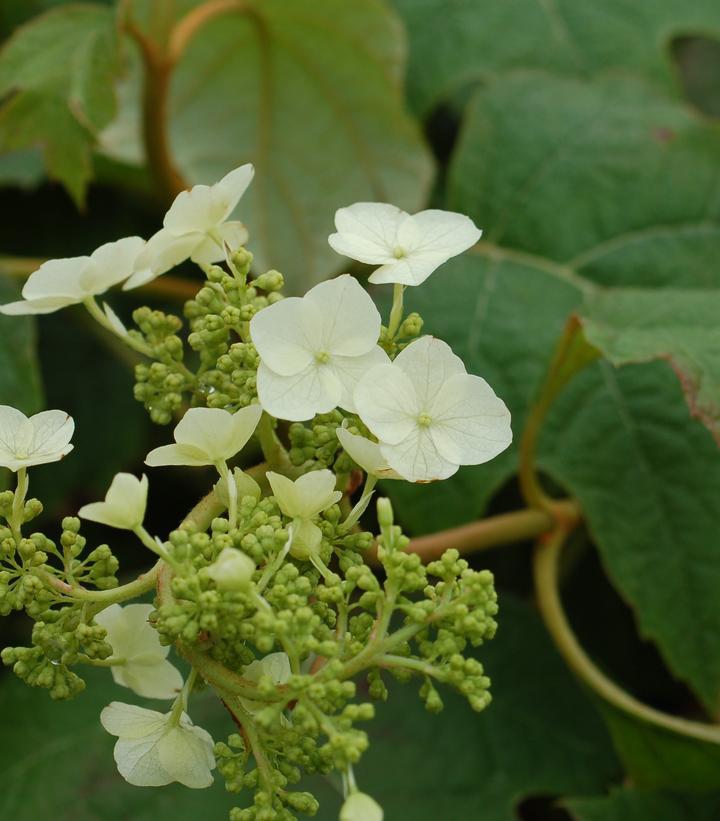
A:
{"x":57,"y":74}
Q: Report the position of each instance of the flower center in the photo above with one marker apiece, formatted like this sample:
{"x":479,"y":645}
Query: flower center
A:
{"x":399,"y":252}
{"x":424,"y":420}
{"x":322,"y":357}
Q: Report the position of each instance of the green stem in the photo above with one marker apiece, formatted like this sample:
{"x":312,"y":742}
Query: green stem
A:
{"x":252,"y":735}
{"x":545,"y":566}
{"x":572,"y":354}
{"x":131,"y":590}
{"x":396,"y":312}
{"x":231,"y":486}
{"x":18,"y":506}
{"x":275,"y":454}
{"x":388,"y":660}
{"x":505,"y":528}
{"x":99,"y":316}
{"x":361,"y":505}
{"x":152,"y":544}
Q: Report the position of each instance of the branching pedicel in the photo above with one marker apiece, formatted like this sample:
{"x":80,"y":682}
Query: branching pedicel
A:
{"x":263,"y":588}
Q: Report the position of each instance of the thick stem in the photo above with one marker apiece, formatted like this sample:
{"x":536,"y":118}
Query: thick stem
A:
{"x":18,"y":505}
{"x":396,"y":312}
{"x":186,"y":28}
{"x":131,"y":590}
{"x":158,"y":66}
{"x":250,"y":730}
{"x":545,"y":566}
{"x":505,"y":528}
{"x":571,"y":355}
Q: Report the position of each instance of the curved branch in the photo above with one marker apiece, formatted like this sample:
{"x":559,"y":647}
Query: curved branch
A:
{"x":156,"y":85}
{"x":186,"y":28}
{"x":545,"y":567}
{"x":506,"y":528}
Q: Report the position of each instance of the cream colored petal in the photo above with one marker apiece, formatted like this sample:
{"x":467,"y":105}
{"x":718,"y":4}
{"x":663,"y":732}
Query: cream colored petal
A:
{"x":286,"y":335}
{"x":367,"y":454}
{"x":349,"y":370}
{"x":386,"y":401}
{"x":111,"y":264}
{"x":186,"y":754}
{"x":131,"y":721}
{"x":367,"y":231}
{"x":156,"y":679}
{"x":57,"y":277}
{"x":231,"y":188}
{"x":471,"y":425}
{"x":349,"y":319}
{"x":417,"y":459}
{"x":175,"y":455}
{"x":429,"y":363}
{"x":298,"y":397}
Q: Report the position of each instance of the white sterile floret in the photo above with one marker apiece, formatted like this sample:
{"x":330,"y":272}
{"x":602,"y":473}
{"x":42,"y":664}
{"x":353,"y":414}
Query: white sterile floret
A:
{"x":207,"y":436}
{"x":276,"y":666}
{"x":430,"y":415}
{"x":44,"y":437}
{"x":124,"y":505}
{"x":314,"y":349}
{"x":367,"y":454}
{"x":144,"y":667}
{"x":62,"y":282}
{"x":302,"y":500}
{"x":196,"y":227}
{"x":155,"y":749}
{"x":407,"y":247}
{"x":359,"y":806}
{"x":232,"y":570}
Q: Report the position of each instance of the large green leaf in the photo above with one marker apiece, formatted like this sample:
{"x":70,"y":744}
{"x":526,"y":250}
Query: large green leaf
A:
{"x":466,"y":41}
{"x":658,"y":759}
{"x":19,"y":373}
{"x":540,"y":735}
{"x":622,"y":442}
{"x":610,"y":179}
{"x":58,"y":70}
{"x":681,"y":327}
{"x":311,"y":93}
{"x":631,"y":805}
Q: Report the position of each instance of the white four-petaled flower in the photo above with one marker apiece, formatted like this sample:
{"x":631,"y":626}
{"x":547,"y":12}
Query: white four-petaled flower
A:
{"x":62,"y":282}
{"x":196,"y":227}
{"x":44,"y":437}
{"x":314,"y":349}
{"x":407,"y":247}
{"x":303,"y":500}
{"x":124,"y":505}
{"x":430,"y":415}
{"x":207,"y":436}
{"x":154,"y":749}
{"x":142,"y":660}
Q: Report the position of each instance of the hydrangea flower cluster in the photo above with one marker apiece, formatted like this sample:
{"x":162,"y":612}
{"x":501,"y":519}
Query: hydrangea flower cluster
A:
{"x":264,"y":590}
